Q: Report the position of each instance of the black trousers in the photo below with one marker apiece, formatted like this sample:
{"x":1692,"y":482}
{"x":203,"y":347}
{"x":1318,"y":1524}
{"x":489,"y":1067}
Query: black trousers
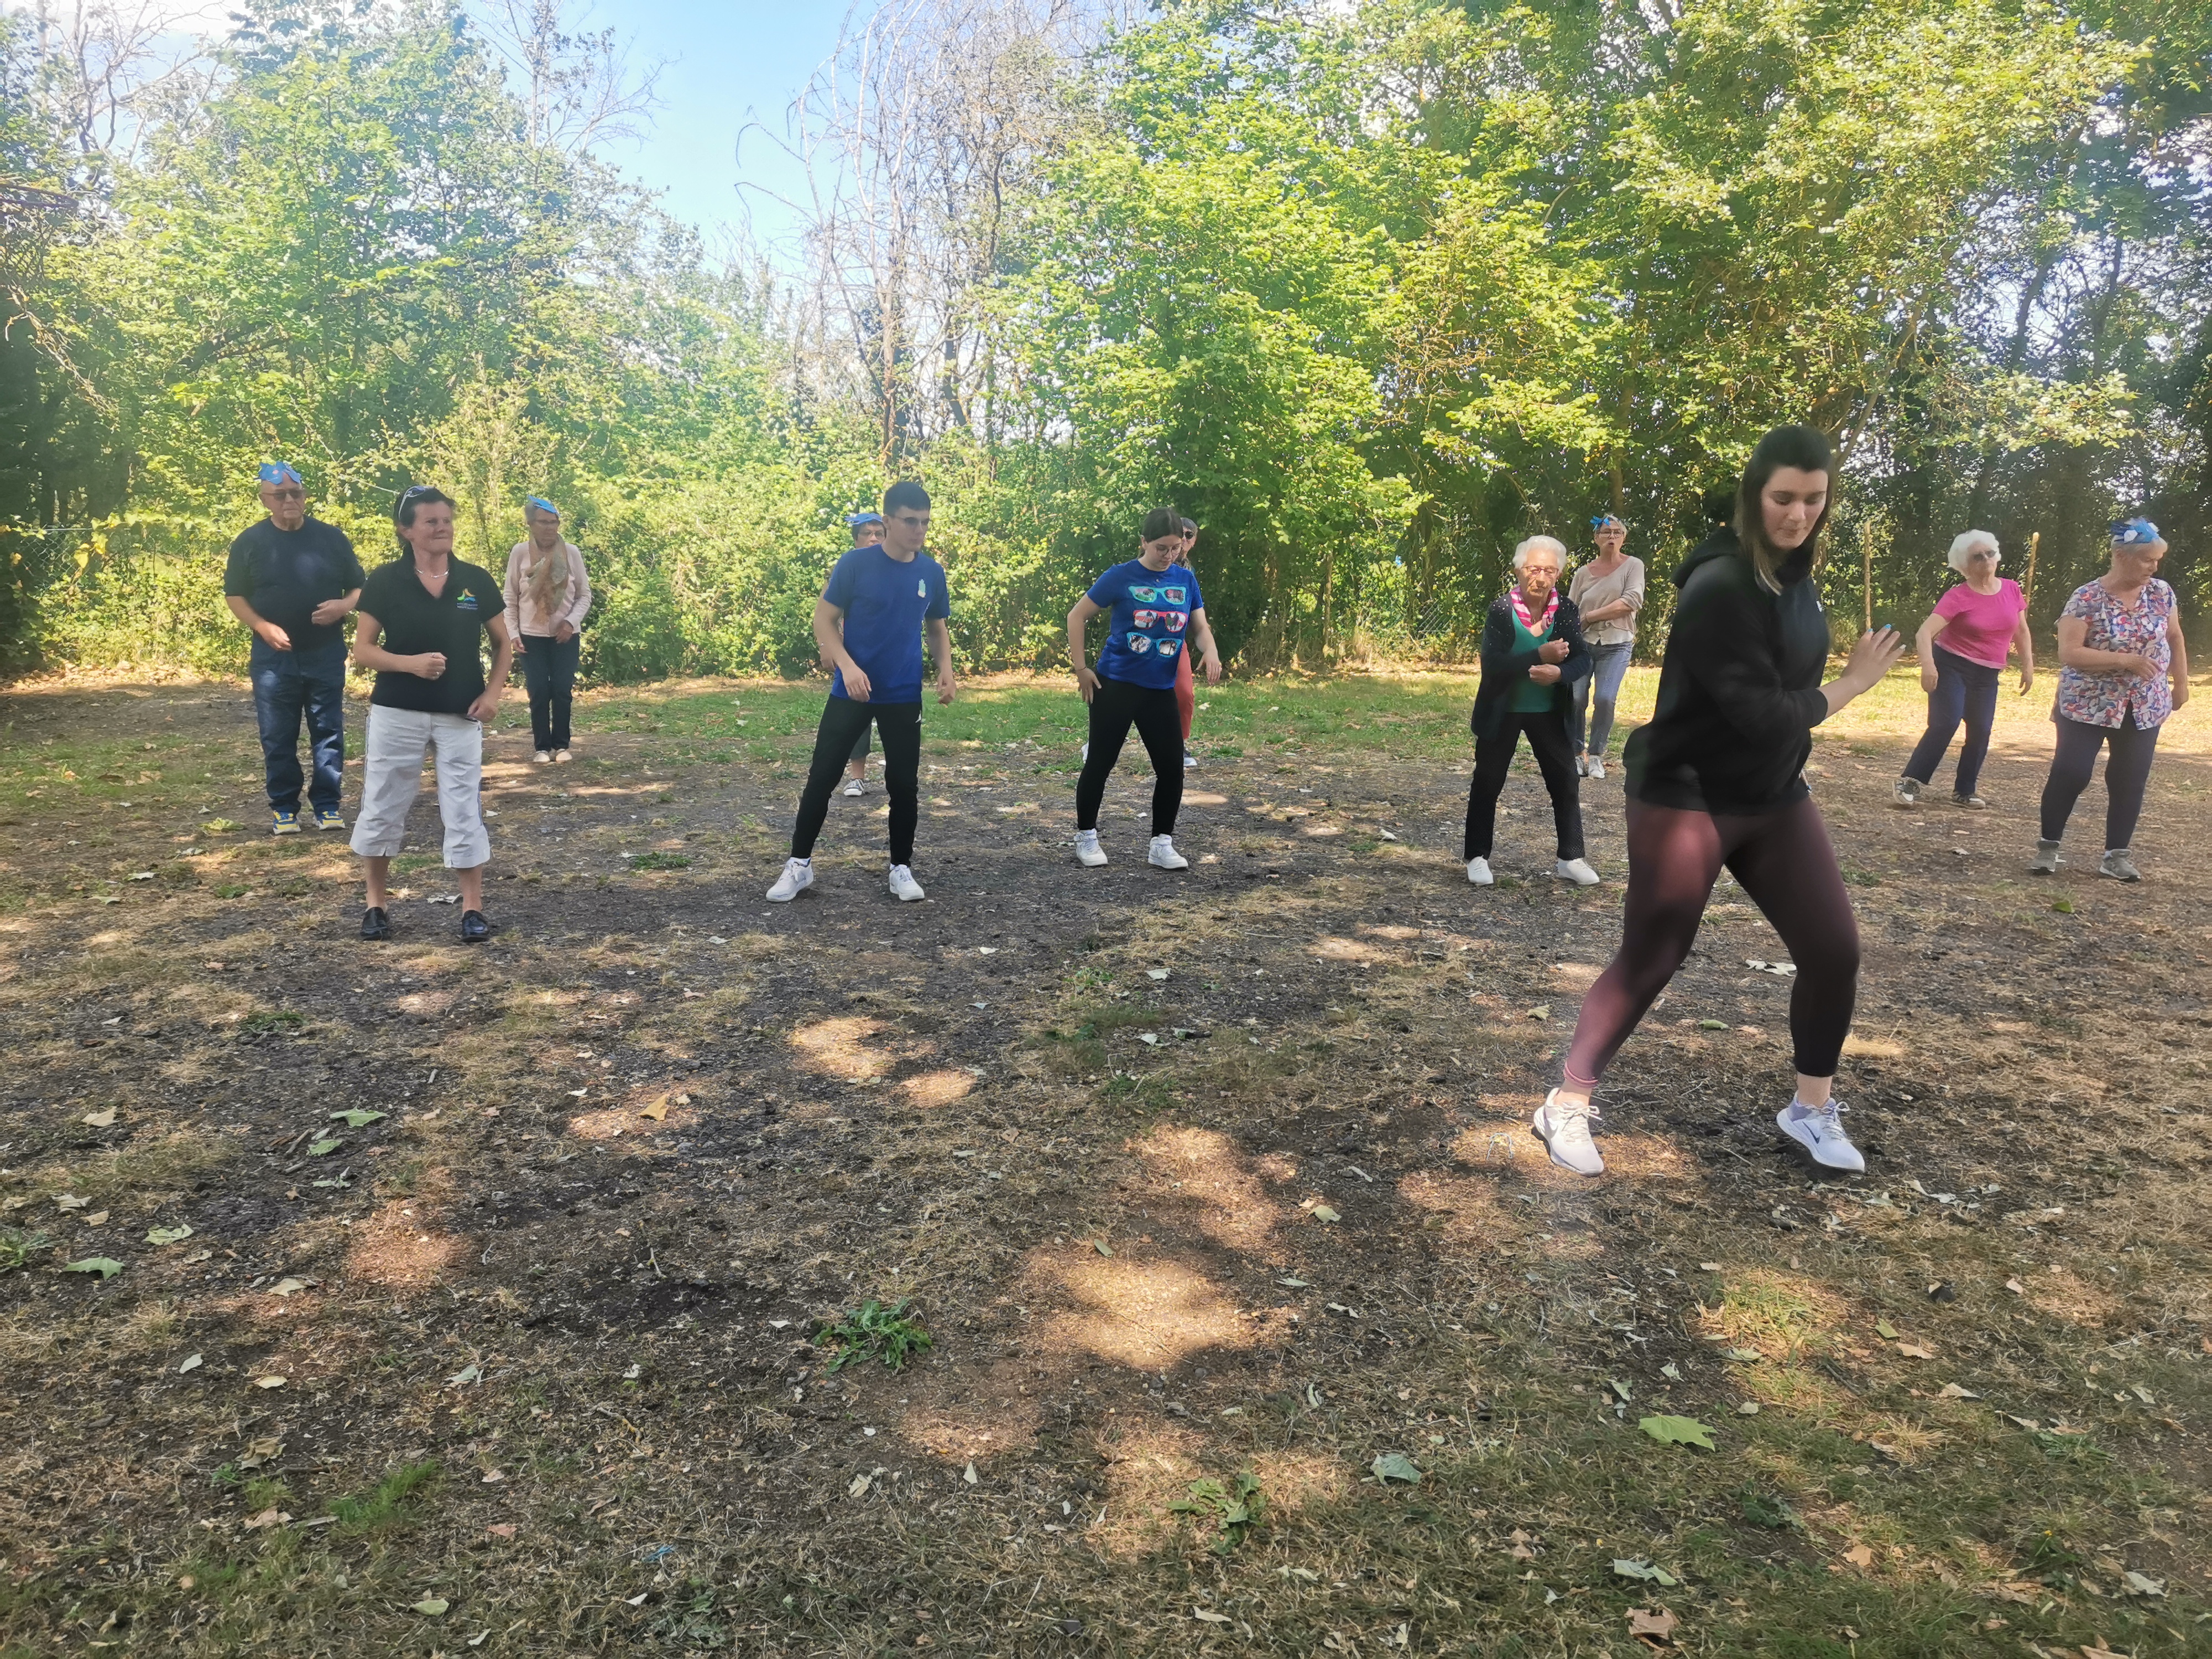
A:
{"x":1555,"y":759}
{"x":2126,"y":776}
{"x":1116,"y":706}
{"x":549,"y":670}
{"x":899,"y":725}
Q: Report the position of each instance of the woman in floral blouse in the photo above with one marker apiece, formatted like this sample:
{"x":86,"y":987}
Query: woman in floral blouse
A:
{"x":2123,"y":670}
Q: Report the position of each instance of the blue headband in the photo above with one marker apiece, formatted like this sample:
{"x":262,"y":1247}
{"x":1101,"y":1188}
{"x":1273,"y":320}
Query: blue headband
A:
{"x":277,"y":473}
{"x":541,"y":504}
{"x":2133,"y":532}
{"x":1603,"y":519}
{"x":854,"y":520}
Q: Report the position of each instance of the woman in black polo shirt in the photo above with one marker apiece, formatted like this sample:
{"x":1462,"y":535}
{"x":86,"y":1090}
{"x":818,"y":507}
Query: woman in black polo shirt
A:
{"x":421,"y":618}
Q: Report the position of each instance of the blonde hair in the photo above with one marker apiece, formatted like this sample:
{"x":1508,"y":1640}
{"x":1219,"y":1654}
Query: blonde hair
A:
{"x":1968,"y":543}
{"x":1558,"y":550}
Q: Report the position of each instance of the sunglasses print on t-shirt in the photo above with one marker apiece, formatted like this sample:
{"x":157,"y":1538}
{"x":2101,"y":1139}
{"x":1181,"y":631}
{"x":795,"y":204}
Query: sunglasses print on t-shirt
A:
{"x":1138,"y":644}
{"x":1144,"y":595}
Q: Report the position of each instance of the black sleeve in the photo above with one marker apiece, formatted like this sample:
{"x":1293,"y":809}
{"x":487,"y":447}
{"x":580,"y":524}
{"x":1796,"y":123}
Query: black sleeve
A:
{"x":349,"y":560}
{"x":237,"y":570}
{"x":1728,"y":647}
{"x":370,"y":595}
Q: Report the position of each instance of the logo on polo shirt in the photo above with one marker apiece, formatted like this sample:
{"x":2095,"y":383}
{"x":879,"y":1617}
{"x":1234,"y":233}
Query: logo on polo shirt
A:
{"x":921,"y":587}
{"x":467,"y":601}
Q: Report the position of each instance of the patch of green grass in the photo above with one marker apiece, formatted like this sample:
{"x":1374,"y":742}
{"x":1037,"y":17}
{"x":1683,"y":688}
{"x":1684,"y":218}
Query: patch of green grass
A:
{"x":275,"y":1019}
{"x":19,"y":1244}
{"x":389,"y":1503}
{"x":877,"y":1330}
{"x":661,"y":861}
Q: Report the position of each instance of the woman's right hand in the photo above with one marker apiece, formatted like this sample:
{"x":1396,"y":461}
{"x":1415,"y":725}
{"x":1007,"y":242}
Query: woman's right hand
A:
{"x":1873,"y":656}
{"x":1086,"y":682}
{"x":431,"y":666}
{"x":1553,"y":651}
{"x":1928,"y":679}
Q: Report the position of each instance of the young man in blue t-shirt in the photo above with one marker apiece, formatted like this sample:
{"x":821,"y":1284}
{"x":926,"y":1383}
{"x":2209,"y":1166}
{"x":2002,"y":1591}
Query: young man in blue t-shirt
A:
{"x":869,"y":623}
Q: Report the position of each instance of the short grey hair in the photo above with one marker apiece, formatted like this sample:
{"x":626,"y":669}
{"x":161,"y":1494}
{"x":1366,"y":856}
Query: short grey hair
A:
{"x":1553,"y":544}
{"x":1968,"y":543}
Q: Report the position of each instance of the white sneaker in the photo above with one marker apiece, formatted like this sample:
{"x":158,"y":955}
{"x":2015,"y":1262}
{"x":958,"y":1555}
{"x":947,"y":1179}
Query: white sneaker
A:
{"x":903,"y":885}
{"x":1564,"y":1127}
{"x":1905,"y":793}
{"x":797,"y":876}
{"x":1819,"y":1130}
{"x":1164,"y":855}
{"x":1478,"y":872}
{"x":1190,"y":763}
{"x":1576,"y":871}
{"x":1596,"y":769}
{"x":1088,"y":852}
{"x":543,"y":757}
{"x":856,"y":787}
{"x":1582,"y":766}
{"x":1086,"y":751}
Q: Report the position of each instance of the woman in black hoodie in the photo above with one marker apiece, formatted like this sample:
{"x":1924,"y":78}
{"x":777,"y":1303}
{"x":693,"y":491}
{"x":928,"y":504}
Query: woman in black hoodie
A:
{"x":1718,"y":779}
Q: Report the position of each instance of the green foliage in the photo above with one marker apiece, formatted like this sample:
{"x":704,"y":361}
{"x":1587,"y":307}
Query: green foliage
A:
{"x":387,"y":1504}
{"x":1235,"y":1508}
{"x":874,"y":1329}
{"x":19,"y":1244}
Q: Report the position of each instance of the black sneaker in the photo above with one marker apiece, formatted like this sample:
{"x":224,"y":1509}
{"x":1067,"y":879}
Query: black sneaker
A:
{"x":475,"y":930}
{"x":374,"y":924}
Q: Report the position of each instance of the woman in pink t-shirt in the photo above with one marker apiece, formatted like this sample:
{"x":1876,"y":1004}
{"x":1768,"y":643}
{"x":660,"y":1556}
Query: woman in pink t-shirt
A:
{"x":1962,"y":647}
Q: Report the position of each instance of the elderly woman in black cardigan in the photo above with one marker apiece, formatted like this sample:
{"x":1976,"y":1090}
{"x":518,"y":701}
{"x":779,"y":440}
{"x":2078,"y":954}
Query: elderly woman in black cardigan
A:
{"x":1532,"y":655}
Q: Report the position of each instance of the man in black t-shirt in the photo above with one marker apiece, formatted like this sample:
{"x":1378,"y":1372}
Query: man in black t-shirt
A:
{"x":424,"y":617}
{"x":291,"y":579}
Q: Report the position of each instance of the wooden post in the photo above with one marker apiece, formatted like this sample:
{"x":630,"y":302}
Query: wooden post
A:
{"x":2027,"y":586}
{"x":1866,"y":573}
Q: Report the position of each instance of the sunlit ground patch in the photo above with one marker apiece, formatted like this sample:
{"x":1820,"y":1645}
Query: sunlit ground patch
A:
{"x":1203,"y":1170}
{"x":1467,"y":1210}
{"x":1147,"y":1314}
{"x":938,"y":1088}
{"x":842,"y":1048}
{"x":401,"y":1246}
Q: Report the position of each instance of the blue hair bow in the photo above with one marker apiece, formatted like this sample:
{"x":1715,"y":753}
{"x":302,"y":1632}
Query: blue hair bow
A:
{"x":1602,"y":519}
{"x":278,"y":472}
{"x":541,"y":504}
{"x":854,"y":520}
{"x":2133,"y":532}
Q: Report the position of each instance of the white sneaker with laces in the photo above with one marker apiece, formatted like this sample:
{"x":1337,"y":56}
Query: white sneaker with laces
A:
{"x":543,"y":757}
{"x":1164,"y":855}
{"x":1819,"y":1130}
{"x":1576,"y":871}
{"x":1597,"y":768}
{"x":797,"y":876}
{"x":1086,"y":751}
{"x":1582,"y":766}
{"x":1190,"y":763}
{"x":1478,"y":872}
{"x":1564,"y":1127}
{"x":1088,"y":852}
{"x":903,"y":885}
{"x":856,"y":787}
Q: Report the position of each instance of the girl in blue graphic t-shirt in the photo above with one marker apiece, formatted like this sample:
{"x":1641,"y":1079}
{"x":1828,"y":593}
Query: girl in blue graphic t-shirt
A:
{"x":1155,"y":615}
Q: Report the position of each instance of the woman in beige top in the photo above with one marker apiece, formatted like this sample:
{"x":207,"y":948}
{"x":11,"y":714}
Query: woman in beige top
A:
{"x":547,"y":595}
{"x":1609,"y":591}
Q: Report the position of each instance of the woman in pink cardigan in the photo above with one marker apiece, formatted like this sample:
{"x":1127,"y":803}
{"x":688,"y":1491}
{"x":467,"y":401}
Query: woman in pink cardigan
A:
{"x":547,"y":595}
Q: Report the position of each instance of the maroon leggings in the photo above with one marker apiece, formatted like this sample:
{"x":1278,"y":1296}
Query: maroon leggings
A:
{"x":1784,"y":861}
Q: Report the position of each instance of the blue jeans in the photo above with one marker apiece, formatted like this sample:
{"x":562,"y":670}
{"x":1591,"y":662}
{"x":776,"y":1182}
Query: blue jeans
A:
{"x":287,"y":684}
{"x":1608,"y":668}
{"x":1964,"y":691}
{"x":549,"y":670}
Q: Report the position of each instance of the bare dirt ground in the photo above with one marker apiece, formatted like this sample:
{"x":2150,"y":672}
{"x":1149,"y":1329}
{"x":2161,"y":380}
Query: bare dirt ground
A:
{"x":1189,"y":1178}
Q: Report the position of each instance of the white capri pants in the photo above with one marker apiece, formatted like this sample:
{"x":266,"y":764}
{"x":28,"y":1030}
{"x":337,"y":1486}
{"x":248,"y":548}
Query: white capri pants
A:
{"x":392,"y":776}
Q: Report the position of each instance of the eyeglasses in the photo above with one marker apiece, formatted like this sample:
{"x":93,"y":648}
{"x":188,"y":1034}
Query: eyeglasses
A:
{"x":414,"y":490}
{"x":294,"y":494}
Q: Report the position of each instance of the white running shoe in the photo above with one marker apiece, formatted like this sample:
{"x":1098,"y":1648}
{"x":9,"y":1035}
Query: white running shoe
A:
{"x":1478,"y":872}
{"x":1189,"y":763}
{"x":543,"y":757}
{"x":903,"y":885}
{"x":1597,"y":768}
{"x":1905,"y":793}
{"x":1086,"y":751}
{"x":797,"y":876}
{"x":1164,"y":855}
{"x":1576,"y":871}
{"x":856,"y":787}
{"x":1819,"y":1130}
{"x":1564,"y":1127}
{"x":1088,"y":852}
{"x":2119,"y":864}
{"x":1582,"y":766}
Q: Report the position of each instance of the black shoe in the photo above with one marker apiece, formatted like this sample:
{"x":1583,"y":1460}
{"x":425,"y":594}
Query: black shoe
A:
{"x":374,"y":924}
{"x":475,"y":930}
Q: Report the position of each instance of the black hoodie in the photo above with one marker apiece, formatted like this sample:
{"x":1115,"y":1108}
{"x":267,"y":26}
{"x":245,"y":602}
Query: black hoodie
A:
{"x":1739,"y":688}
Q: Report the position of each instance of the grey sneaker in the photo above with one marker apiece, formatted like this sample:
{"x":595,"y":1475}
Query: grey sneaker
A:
{"x":2045,"y":862}
{"x":2119,"y":865}
{"x":1969,"y":803}
{"x":1906,"y":792}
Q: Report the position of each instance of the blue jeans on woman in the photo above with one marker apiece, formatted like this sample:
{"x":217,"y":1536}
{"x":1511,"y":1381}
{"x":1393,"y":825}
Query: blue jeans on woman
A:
{"x":1608,"y":668}
{"x":549,"y":670}
{"x":287,"y":684}
{"x":1966,"y":691}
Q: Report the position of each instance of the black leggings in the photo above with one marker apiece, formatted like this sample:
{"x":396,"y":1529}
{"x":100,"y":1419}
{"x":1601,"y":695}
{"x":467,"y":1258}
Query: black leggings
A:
{"x":1786,"y":865}
{"x":1555,"y":759}
{"x":1116,"y":706}
{"x":2126,"y":776}
{"x":899,"y":724}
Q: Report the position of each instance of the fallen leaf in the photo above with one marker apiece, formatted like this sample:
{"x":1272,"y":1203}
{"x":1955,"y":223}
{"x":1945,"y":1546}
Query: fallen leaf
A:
{"x":268,"y":1382}
{"x":271,"y":1516}
{"x":1678,"y":1430}
{"x":358,"y":1118}
{"x":1748,"y":1409}
{"x":1099,"y":1245}
{"x":636,"y":1601}
{"x":98,"y":1218}
{"x":1883,"y":1327}
{"x":1542,"y":1011}
{"x":1155,"y":974}
{"x":1322,"y":1213}
{"x":1914,"y":1351}
{"x":2015,"y":1287}
{"x":968,"y":1474}
{"x":859,"y":1487}
{"x":480,"y":1638}
{"x":2024,"y":1422}
{"x":169,"y":1235}
{"x":504,"y":1529}
{"x":657,"y":1110}
{"x":1952,"y":1391}
{"x":1669,"y":1370}
{"x":287,"y":1287}
{"x":1152,"y":1037}
{"x":1859,"y":1556}
{"x":1396,"y":1466}
{"x":1709,"y":1267}
{"x":191,"y":1363}
{"x":106,"y":1266}
{"x":71,"y":1201}
{"x":1712,"y":1025}
{"x":493,"y":1477}
{"x":466,"y":1375}
{"x":198,"y":1255}
{"x":324,"y":1148}
{"x":2138,"y":1585}
{"x":260,"y":1452}
{"x":1204,"y":1617}
{"x":1652,"y":1621}
{"x":1658,"y":1576}
{"x":430,"y":1606}
{"x":1619,"y":1387}
{"x":100,"y":1120}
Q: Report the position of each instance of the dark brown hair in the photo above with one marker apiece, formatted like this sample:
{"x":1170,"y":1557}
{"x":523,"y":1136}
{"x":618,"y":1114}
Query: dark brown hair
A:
{"x":1805,"y":449}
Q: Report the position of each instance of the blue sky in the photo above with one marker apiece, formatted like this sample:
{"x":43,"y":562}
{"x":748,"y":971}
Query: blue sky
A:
{"x":727,"y":61}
